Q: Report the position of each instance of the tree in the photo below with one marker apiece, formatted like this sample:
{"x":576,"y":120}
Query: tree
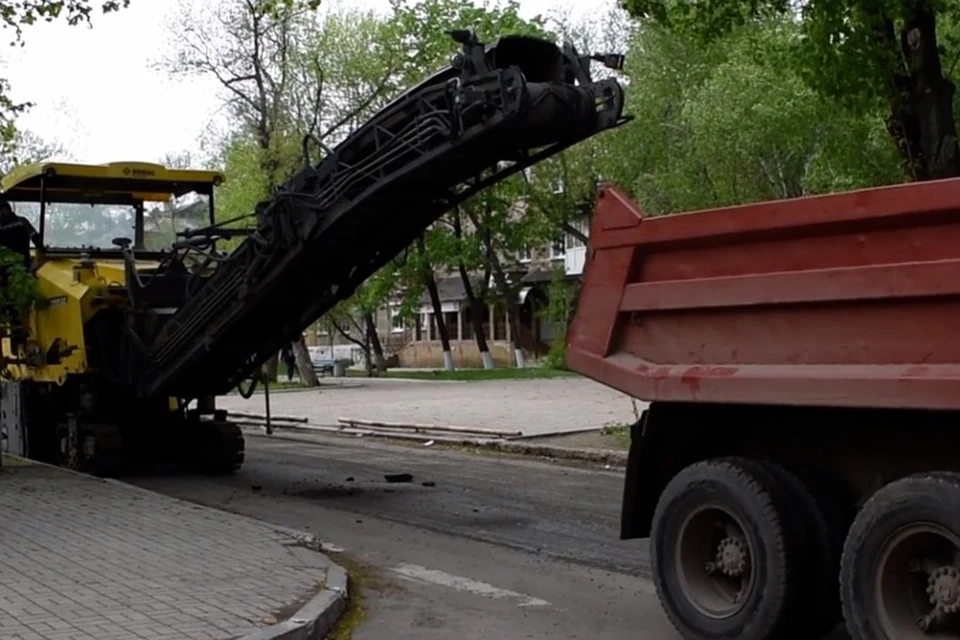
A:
{"x":355,"y":317}
{"x":286,"y":76}
{"x":498,"y":218}
{"x":734,"y":121}
{"x":245,"y":45}
{"x":866,"y":54}
{"x":467,"y":251}
{"x":26,"y":147}
{"x":424,"y":26}
{"x":425,"y":274}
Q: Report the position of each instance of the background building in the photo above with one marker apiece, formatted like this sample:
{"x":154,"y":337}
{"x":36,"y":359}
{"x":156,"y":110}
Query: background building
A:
{"x":415,"y":342}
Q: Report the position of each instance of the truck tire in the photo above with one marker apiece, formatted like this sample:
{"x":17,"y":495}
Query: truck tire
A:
{"x":819,"y":543}
{"x":899,"y":565}
{"x":721,"y":557}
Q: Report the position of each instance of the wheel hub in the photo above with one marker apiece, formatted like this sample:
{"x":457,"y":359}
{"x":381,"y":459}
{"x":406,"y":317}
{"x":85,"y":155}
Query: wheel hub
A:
{"x":943,"y":587}
{"x":732,"y":557}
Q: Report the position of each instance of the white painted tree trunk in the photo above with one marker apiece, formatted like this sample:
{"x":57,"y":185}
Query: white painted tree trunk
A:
{"x":448,"y":361}
{"x":521,"y":358}
{"x":487,"y":360}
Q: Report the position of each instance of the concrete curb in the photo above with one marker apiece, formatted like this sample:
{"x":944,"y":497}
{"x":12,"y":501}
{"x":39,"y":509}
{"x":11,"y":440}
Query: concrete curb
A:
{"x":609,"y":457}
{"x":315,"y":619}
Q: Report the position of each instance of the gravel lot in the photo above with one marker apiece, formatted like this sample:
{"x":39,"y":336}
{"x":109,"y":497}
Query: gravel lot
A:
{"x":533,"y":407}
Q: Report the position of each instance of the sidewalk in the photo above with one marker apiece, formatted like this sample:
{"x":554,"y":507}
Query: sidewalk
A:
{"x":534,"y":407}
{"x":91,"y":559}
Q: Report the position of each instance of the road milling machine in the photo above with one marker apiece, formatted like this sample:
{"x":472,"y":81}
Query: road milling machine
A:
{"x":139,"y":333}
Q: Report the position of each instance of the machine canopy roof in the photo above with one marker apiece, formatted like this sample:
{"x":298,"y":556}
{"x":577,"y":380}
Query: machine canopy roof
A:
{"x":112,"y":183}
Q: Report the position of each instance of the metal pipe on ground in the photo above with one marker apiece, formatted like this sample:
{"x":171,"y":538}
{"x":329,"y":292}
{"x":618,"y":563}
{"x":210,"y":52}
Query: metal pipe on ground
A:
{"x":259,"y":416}
{"x":356,"y":422}
{"x":353,"y":431}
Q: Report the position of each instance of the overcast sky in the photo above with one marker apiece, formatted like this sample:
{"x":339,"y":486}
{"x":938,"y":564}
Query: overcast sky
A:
{"x":96,"y":94}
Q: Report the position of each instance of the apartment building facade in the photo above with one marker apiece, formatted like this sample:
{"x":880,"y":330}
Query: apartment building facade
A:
{"x":415,"y":342}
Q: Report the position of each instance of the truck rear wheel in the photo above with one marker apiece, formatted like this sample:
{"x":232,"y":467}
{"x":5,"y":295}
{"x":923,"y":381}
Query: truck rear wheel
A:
{"x":900,"y":573}
{"x":721,"y":556}
{"x":818,"y":540}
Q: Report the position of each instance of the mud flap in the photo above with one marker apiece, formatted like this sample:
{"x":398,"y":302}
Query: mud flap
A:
{"x":643,"y":480}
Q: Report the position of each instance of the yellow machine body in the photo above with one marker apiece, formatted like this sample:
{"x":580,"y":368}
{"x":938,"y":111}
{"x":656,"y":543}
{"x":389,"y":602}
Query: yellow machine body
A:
{"x":76,"y":286}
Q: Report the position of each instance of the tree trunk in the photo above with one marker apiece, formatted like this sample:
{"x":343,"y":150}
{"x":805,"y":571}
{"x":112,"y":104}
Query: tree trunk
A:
{"x":301,"y":354}
{"x":513,"y":311}
{"x":363,"y":344}
{"x":476,"y":318}
{"x":426,"y":275}
{"x":509,"y":299}
{"x":368,"y":356}
{"x":922,"y":122}
{"x":375,"y":344}
{"x":476,"y":309}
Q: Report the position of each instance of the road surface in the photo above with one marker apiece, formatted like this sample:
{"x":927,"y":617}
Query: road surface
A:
{"x":491,"y":547}
{"x":528,"y":406}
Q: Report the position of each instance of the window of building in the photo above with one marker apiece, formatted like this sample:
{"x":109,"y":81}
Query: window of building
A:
{"x":583,"y":226}
{"x":524,"y":255}
{"x":558,"y":248}
{"x":397,"y":324}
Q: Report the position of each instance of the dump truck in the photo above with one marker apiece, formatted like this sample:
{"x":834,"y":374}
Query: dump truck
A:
{"x":796,"y":461}
{"x":138,"y":335}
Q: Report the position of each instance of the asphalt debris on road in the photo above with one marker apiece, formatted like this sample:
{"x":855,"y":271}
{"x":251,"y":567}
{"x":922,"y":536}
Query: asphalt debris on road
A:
{"x":398,"y":477}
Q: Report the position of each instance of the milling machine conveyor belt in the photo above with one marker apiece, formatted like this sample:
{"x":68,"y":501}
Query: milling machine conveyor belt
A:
{"x":494,"y":111}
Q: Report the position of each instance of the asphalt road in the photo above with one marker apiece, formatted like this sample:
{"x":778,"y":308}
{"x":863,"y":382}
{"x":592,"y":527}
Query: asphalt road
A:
{"x":494,"y":548}
{"x":474,"y":547}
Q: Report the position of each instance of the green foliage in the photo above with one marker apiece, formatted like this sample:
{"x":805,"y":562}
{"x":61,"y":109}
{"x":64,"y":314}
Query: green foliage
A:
{"x":864,"y":55}
{"x":20,"y":293}
{"x":706,"y":20}
{"x":423,"y":27}
{"x":557,"y":355}
{"x":732,"y":121}
{"x":559,"y":310}
{"x":560,"y":305}
{"x":246,"y":183}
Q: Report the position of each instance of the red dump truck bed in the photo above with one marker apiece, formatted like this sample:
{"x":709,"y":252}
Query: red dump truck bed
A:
{"x":850,"y":299}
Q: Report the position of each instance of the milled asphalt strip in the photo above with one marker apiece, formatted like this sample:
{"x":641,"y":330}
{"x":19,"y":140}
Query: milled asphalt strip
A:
{"x":315,"y":619}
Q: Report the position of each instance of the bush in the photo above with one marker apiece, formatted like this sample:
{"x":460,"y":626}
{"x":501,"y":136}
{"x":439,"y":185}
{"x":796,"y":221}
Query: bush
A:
{"x":557,"y":356}
{"x":20,"y":293}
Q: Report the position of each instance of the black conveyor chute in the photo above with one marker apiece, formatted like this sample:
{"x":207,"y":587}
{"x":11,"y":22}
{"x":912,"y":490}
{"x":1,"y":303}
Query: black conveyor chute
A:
{"x":494,"y":111}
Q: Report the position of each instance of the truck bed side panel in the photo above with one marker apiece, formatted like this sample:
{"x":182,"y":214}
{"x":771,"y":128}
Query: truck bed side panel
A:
{"x":849,"y":299}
